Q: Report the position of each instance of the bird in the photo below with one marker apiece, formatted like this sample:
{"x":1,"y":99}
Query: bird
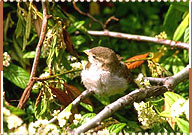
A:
{"x":105,"y":73}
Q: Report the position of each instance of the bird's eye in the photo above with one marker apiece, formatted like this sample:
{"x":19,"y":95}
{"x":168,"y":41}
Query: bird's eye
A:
{"x":94,"y":56}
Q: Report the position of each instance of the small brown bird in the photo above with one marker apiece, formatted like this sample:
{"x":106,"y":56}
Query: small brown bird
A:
{"x":105,"y":74}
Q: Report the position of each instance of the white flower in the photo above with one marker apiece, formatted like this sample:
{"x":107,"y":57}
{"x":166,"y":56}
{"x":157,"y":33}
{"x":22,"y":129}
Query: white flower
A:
{"x":6,"y":59}
{"x":51,"y":129}
{"x":62,"y":122}
{"x":6,"y":63}
{"x":32,"y":128}
{"x":186,"y":109}
{"x":146,"y":115}
{"x":140,"y":77}
{"x":22,"y":130}
{"x":75,"y":122}
{"x":103,"y":132}
{"x":14,"y":121}
{"x":6,"y":112}
{"x":177,"y":108}
{"x":76,"y":65}
{"x":64,"y":114}
{"x":77,"y":116}
{"x":56,"y":112}
{"x":84,"y":63}
{"x":46,"y":74}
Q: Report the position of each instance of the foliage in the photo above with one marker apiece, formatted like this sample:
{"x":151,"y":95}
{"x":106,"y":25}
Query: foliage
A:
{"x":62,"y":59}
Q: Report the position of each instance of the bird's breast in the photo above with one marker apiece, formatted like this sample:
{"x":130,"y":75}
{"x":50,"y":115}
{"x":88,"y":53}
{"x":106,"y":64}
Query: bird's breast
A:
{"x":103,"y":82}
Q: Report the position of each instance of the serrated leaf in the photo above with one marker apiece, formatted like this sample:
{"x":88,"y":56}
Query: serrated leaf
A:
{"x":181,"y":28}
{"x":87,"y":106}
{"x":186,"y":35}
{"x":171,"y":97}
{"x":16,"y":75}
{"x":183,"y":125}
{"x":186,"y":56}
{"x":29,"y":55}
{"x":86,"y":116}
{"x":116,"y":128}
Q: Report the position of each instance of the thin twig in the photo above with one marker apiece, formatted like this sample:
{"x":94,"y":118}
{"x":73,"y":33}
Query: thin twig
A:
{"x":136,"y":95}
{"x":28,"y":89}
{"x":109,"y":19}
{"x":54,"y":76}
{"x":140,"y":38}
{"x":88,"y":15}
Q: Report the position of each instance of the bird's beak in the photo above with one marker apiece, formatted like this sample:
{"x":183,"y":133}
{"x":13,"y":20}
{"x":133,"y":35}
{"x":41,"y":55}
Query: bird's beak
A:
{"x":87,"y":52}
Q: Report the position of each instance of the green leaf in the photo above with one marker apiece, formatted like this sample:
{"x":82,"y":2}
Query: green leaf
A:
{"x":177,"y":65}
{"x":186,"y":35}
{"x":166,"y":113}
{"x":172,"y":18}
{"x":104,"y":100}
{"x":68,"y":108}
{"x":181,"y":6}
{"x":171,"y":97}
{"x":85,"y":117}
{"x":116,"y":128}
{"x":183,"y":125}
{"x":181,"y":28}
{"x":78,"y":40}
{"x":14,"y":110}
{"x":19,"y":28}
{"x":29,"y":55}
{"x":28,"y":27}
{"x":186,"y":56}
{"x":16,"y":75}
{"x":87,"y":106}
{"x":75,"y":26}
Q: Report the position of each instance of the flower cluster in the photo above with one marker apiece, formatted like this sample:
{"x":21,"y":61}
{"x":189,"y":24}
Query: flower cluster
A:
{"x":162,"y":35}
{"x":147,"y":115}
{"x":14,"y":123}
{"x":42,"y":127}
{"x":63,"y":117}
{"x":53,"y":39}
{"x":6,"y":59}
{"x":75,"y":66}
{"x":180,"y":107}
{"x":77,"y":119}
{"x":141,"y":82}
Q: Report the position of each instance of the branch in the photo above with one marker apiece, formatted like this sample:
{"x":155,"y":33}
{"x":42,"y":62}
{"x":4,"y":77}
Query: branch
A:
{"x":172,"y":81}
{"x":28,"y":89}
{"x":140,"y":38}
{"x":136,"y":95}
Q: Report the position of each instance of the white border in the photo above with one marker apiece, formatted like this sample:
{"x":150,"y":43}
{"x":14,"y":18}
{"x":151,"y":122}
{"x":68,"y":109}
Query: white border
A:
{"x":1,"y":102}
{"x":190,"y":34}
